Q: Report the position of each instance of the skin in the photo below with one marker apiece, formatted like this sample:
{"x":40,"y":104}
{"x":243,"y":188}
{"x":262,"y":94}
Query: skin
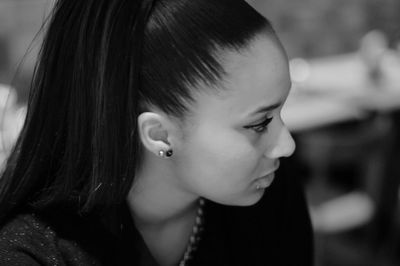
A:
{"x":219,"y":152}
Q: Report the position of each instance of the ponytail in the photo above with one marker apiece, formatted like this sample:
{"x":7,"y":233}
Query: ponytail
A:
{"x":79,"y":143}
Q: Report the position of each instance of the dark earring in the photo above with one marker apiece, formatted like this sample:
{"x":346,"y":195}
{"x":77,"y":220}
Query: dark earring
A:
{"x":169,"y":153}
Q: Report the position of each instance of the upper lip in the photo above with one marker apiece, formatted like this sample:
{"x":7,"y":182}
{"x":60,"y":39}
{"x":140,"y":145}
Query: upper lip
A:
{"x":275,"y":168}
{"x":268,"y":173}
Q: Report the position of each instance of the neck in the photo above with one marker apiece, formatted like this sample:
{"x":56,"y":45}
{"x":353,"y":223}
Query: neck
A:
{"x":156,"y":199}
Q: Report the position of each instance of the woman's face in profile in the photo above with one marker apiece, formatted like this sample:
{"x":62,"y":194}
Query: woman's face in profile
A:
{"x":235,"y":137}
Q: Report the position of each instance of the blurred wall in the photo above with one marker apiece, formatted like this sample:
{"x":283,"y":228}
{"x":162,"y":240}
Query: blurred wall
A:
{"x":308,"y":28}
{"x":20,"y":21}
{"x":314,"y":28}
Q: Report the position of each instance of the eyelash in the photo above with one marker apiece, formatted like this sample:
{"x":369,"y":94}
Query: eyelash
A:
{"x":261,"y":127}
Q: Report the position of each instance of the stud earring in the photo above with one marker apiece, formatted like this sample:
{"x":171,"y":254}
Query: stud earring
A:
{"x":169,"y":153}
{"x":163,"y":153}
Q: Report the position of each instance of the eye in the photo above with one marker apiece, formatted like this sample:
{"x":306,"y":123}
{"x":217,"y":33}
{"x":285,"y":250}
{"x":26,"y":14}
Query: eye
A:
{"x":261,"y":127}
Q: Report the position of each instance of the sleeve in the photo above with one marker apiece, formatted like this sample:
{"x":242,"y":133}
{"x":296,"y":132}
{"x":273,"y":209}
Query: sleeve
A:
{"x":24,"y":241}
{"x":13,"y":256}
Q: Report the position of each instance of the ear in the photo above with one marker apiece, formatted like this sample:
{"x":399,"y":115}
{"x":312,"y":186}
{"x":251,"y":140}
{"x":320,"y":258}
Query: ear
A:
{"x":155,"y":132}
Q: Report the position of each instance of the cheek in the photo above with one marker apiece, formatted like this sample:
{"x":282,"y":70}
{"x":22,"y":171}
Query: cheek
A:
{"x":221,"y":155}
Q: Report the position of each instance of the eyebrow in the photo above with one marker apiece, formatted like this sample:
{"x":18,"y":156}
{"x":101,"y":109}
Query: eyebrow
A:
{"x":265,"y":109}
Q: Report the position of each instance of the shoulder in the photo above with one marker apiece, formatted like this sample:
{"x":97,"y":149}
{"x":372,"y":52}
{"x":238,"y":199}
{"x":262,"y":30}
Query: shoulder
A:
{"x":28,"y":239}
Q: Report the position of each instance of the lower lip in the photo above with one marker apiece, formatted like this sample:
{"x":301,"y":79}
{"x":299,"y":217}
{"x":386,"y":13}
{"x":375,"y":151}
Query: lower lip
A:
{"x":265,"y":181}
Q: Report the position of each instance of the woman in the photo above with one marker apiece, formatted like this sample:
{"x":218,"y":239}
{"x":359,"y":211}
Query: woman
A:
{"x":153,"y":135}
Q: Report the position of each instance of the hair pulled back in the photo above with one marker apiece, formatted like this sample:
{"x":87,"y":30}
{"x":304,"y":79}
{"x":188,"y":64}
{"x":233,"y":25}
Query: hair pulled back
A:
{"x":102,"y":63}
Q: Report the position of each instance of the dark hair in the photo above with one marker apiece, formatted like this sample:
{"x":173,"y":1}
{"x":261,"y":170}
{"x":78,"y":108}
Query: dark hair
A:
{"x":102,"y":63}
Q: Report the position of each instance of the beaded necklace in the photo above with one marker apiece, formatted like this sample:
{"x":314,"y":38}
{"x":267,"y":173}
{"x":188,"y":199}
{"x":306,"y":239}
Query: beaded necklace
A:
{"x":195,"y":236}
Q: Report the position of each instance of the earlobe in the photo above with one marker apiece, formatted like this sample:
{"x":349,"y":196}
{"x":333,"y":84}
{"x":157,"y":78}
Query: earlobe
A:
{"x":154,"y":130}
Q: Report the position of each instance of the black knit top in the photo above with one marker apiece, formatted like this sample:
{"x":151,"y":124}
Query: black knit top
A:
{"x":276,"y":231}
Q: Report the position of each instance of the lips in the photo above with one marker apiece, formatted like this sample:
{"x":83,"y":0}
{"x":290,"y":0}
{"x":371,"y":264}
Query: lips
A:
{"x":265,"y":181}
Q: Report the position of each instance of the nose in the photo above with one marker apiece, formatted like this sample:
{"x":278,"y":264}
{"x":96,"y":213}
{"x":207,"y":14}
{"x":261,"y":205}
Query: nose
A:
{"x":284,"y":145}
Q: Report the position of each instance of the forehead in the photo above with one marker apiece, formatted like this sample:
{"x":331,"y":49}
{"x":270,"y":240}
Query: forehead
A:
{"x":256,"y":76}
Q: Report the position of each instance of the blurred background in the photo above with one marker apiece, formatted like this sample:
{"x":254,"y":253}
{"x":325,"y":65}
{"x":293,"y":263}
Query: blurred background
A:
{"x":343,"y":111}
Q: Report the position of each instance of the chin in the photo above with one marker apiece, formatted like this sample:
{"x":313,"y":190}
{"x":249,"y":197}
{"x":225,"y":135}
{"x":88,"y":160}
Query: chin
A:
{"x":248,"y":200}
{"x":254,"y":199}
